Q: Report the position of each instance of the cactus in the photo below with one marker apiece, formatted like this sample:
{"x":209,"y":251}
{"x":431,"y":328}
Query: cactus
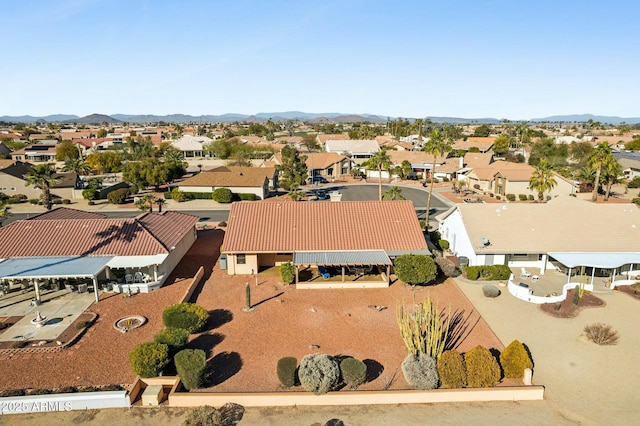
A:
{"x":425,"y":330}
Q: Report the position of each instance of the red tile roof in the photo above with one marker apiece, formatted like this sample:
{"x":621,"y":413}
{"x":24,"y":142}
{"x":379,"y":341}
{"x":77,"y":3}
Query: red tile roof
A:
{"x":346,"y":225}
{"x":67,"y":213}
{"x":141,"y":236}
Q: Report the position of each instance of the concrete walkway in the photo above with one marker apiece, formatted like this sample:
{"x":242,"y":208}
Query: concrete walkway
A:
{"x":585,"y":383}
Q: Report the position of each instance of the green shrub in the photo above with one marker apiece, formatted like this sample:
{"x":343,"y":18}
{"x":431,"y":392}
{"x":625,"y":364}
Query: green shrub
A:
{"x":420,"y":371}
{"x":66,"y":201}
{"x":189,"y":316}
{"x":514,"y":360}
{"x":634,"y":183}
{"x":175,"y":338}
{"x":452,"y":370}
{"x":511,"y":197}
{"x":354,"y":372}
{"x":147,"y":359}
{"x":415,"y":269}
{"x":191,"y":365}
{"x":247,"y":197}
{"x":530,"y":197}
{"x":444,"y":244}
{"x":435,"y":237}
{"x":177,"y":195}
{"x":499,"y":272}
{"x":423,"y":223}
{"x":287,"y":272}
{"x":523,"y":197}
{"x":222,"y":195}
{"x":318,"y":373}
{"x":286,"y":370}
{"x":476,"y":186}
{"x":473,"y":272}
{"x":483,"y":370}
{"x":90,"y":194}
{"x":118,"y":196}
{"x":636,"y":201}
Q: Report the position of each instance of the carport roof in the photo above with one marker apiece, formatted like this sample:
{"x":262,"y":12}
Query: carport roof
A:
{"x":367,"y":257}
{"x":52,"y":267}
{"x":597,"y":260}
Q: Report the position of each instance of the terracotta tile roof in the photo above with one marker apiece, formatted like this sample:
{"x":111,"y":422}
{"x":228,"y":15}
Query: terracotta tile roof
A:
{"x":414,"y":157}
{"x":515,"y":172}
{"x":231,"y":176}
{"x":479,"y":142}
{"x":317,"y":160}
{"x":90,"y":237}
{"x":67,"y":213}
{"x":477,"y":159}
{"x":346,"y":225}
{"x":169,"y":227}
{"x":4,"y":163}
{"x":340,"y":136}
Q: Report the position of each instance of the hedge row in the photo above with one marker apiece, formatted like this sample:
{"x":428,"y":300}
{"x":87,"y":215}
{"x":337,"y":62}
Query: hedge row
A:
{"x":320,"y":373}
{"x":488,"y":272}
{"x":208,"y":196}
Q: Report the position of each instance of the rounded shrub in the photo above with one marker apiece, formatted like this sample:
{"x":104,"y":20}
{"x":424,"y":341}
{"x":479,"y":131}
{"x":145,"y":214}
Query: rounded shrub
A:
{"x":188,"y":316}
{"x":118,"y":196}
{"x":286,"y":370}
{"x":420,"y":371}
{"x":191,"y":365}
{"x":222,"y":195}
{"x":473,"y":272}
{"x":483,"y":370}
{"x":514,"y":360}
{"x":444,"y":244}
{"x":175,"y":338}
{"x":318,"y":373}
{"x":415,"y":269}
{"x":147,"y":359}
{"x":354,"y":372}
{"x":287,"y":272}
{"x":451,"y":369}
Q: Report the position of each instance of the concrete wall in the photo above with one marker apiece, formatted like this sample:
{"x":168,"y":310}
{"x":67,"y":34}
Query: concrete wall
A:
{"x":453,"y":230}
{"x":250,"y":267}
{"x":526,"y":294}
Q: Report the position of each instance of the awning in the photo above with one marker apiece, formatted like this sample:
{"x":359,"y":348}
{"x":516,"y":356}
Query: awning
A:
{"x":366,"y":257}
{"x":597,"y":260}
{"x":52,"y":267}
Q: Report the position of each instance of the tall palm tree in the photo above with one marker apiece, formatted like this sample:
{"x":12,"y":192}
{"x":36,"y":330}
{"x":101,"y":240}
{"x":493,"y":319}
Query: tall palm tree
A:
{"x":600,"y":156}
{"x":542,"y":179}
{"x":393,"y":193}
{"x":439,"y":144}
{"x":160,"y":202}
{"x":42,"y":176}
{"x":612,"y":173}
{"x":380,"y":161}
{"x":77,"y":165}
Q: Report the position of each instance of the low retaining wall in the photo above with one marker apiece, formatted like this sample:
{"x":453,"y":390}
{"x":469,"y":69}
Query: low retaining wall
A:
{"x":194,"y":283}
{"x":63,"y":402}
{"x":340,"y":284}
{"x":526,"y":294}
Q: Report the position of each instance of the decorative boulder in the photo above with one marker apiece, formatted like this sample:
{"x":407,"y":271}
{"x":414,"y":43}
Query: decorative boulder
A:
{"x":490,"y":290}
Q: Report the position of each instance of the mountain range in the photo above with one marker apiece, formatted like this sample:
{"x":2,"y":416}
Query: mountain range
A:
{"x":288,"y":115}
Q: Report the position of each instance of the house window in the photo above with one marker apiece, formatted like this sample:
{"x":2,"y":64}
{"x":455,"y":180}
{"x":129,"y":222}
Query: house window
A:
{"x":241,"y":259}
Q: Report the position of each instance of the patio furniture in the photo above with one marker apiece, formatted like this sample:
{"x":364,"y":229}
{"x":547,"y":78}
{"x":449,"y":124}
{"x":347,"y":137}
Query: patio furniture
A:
{"x":82,"y":288}
{"x":323,"y":271}
{"x":360,"y":271}
{"x":128,"y":278}
{"x":137,"y":277}
{"x":524,"y":273}
{"x":535,"y":278}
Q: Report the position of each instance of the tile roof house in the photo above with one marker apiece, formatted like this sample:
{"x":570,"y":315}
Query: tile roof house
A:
{"x":37,"y":153}
{"x":191,"y":146}
{"x":12,"y":181}
{"x":329,"y":165}
{"x":240,"y":180}
{"x":331,"y":234}
{"x":357,"y":149}
{"x":484,"y":144}
{"x":421,"y":162}
{"x":323,"y":138}
{"x":54,"y":245}
{"x":564,"y":231}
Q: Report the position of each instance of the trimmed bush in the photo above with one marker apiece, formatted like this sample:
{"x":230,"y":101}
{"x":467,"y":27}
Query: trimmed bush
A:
{"x":287,"y":371}
{"x":444,"y":244}
{"x":189,"y":316}
{"x":488,"y":272}
{"x":452,"y":370}
{"x":415,"y":269}
{"x":511,"y":197}
{"x":90,"y":194}
{"x":420,"y":371}
{"x":191,"y":365}
{"x":447,"y":267}
{"x":118,"y":196}
{"x":287,"y":272}
{"x":354,"y":372}
{"x":247,"y":197}
{"x":490,"y":291}
{"x":523,"y":197}
{"x":530,"y":197}
{"x":147,"y":359}
{"x":318,"y":373}
{"x":472,"y":272}
{"x":483,"y":370}
{"x":66,"y":201}
{"x":222,"y":195}
{"x":176,"y":195}
{"x":175,"y":338}
{"x":514,"y":360}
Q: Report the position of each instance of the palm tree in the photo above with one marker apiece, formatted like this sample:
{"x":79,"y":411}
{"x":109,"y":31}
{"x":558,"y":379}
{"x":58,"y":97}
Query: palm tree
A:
{"x":42,"y":176}
{"x":160,"y":202}
{"x":393,"y":193}
{"x":146,"y":203}
{"x":5,"y":213}
{"x":600,"y":156}
{"x":380,"y":161}
{"x":542,"y":179}
{"x":611,"y":174}
{"x":439,"y":144}
{"x":77,"y":165}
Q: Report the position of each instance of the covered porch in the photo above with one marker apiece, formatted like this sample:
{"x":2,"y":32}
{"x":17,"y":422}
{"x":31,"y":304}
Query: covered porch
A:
{"x":342,"y":269}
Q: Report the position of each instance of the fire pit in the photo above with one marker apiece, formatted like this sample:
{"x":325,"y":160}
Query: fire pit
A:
{"x":129,"y":323}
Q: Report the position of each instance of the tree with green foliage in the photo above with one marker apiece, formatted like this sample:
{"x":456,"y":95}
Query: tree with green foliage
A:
{"x":147,"y":359}
{"x":555,"y":154}
{"x":146,"y":202}
{"x":292,"y":172}
{"x":191,"y":365}
{"x":287,"y":272}
{"x":501,"y":145}
{"x":222,"y":195}
{"x":43,"y":176}
{"x":634,"y":145}
{"x":393,"y":193}
{"x":514,"y":360}
{"x":439,"y":144}
{"x":542,"y":179}
{"x":379,"y":161}
{"x":65,"y":150}
{"x":612,"y":173}
{"x":579,"y":153}
{"x":415,"y":269}
{"x":104,"y":162}
{"x":599,"y":158}
{"x":403,"y":170}
{"x":483,"y":130}
{"x":77,"y":165}
{"x":483,"y":370}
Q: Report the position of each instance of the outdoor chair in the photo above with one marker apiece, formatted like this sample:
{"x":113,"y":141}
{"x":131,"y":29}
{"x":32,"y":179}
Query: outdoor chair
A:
{"x":137,"y":277}
{"x":323,"y":271}
{"x":535,"y":278}
{"x":524,"y":273}
{"x":128,"y":278}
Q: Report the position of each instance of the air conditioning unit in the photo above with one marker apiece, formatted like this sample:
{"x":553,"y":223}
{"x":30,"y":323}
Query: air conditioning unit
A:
{"x":485,"y":241}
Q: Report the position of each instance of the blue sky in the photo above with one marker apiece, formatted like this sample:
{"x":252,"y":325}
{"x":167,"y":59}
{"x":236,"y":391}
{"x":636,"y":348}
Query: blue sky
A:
{"x":503,"y":59}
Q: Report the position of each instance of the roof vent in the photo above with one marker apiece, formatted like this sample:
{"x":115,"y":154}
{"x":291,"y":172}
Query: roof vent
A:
{"x":485,"y":241}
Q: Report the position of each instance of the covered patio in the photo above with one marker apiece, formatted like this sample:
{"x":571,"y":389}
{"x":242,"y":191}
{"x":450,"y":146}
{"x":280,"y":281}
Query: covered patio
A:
{"x":342,"y":269}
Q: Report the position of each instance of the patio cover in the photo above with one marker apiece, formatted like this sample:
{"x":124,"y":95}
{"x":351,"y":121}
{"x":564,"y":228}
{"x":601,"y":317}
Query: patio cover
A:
{"x":52,"y":267}
{"x":367,"y":257}
{"x":597,"y":260}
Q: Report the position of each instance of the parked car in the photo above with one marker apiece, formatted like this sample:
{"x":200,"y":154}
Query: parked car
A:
{"x":321,"y":194}
{"x":318,"y":179}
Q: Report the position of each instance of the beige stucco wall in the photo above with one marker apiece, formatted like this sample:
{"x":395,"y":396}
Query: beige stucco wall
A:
{"x":250,"y":267}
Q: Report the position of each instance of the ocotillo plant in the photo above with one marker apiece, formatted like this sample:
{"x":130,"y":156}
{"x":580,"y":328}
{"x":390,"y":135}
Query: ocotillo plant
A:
{"x":425,"y":330}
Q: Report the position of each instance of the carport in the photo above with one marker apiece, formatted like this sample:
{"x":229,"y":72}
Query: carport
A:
{"x":360,"y":261}
{"x":38,"y":269}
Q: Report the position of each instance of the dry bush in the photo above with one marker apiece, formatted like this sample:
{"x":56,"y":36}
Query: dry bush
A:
{"x":601,"y":334}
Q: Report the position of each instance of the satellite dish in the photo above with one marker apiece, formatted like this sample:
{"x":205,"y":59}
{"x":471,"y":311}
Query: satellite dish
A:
{"x":485,"y":241}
